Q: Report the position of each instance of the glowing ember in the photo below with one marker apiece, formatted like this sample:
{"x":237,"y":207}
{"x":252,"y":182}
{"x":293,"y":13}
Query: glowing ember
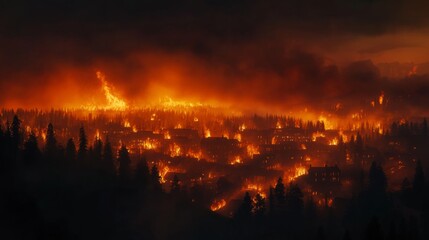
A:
{"x":216,"y":205}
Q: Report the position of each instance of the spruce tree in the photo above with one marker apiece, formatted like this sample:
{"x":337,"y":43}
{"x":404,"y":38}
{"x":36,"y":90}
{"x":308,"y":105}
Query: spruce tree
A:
{"x":83,"y":145}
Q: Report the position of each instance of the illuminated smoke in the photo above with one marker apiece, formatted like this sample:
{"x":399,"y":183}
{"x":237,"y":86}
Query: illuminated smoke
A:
{"x":113,"y":101}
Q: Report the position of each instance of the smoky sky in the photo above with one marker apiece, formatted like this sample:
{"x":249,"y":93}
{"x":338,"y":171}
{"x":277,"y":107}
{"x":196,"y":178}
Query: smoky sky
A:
{"x":266,"y":53}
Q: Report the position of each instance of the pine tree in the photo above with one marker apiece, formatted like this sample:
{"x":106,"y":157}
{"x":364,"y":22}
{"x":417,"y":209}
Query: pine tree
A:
{"x":51,"y":142}
{"x":374,"y":230}
{"x":271,"y":200}
{"x":98,"y":150}
{"x":294,"y":201}
{"x":124,"y":163}
{"x":279,"y":192}
{"x":15,"y":133}
{"x":175,"y":186}
{"x":70,"y":150}
{"x":155,"y":179}
{"x":419,"y":178}
{"x":377,"y":179}
{"x":108,"y":160}
{"x":31,"y":153}
{"x":142,"y":174}
{"x":259,"y":205}
{"x":83,"y":145}
{"x":244,"y":212}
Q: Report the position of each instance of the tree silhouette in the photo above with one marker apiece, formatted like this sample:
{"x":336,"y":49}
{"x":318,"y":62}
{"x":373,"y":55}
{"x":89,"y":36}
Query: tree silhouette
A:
{"x":15,"y":134}
{"x":321,"y":233}
{"x":108,"y":160}
{"x":259,"y":205}
{"x":175,"y":186}
{"x":377,"y":179}
{"x":373,"y":231}
{"x":391,"y":235}
{"x":294,"y":202}
{"x":271,"y":200}
{"x":70,"y":150}
{"x":83,"y":145}
{"x":279,"y":192}
{"x":142,"y":174}
{"x":124,"y":164}
{"x":155,"y":179}
{"x":244,"y":212}
{"x":419,"y":178}
{"x":31,"y":153}
{"x":51,"y":142}
{"x":97,"y":150}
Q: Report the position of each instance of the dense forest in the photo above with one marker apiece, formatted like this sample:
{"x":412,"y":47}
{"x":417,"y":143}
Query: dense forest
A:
{"x":83,"y":190}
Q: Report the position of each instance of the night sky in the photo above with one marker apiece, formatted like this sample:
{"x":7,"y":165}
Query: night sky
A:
{"x":267,"y":55}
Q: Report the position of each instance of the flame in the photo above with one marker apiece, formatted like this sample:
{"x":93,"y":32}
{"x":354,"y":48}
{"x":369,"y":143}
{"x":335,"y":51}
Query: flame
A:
{"x":149,"y":144}
{"x":278,"y":125}
{"x":333,"y":142}
{"x":175,"y":150}
{"x":127,"y":124}
{"x":252,"y":150}
{"x":381,"y":98}
{"x":207,"y":133}
{"x":216,"y":205}
{"x":299,"y":171}
{"x":236,"y":160}
{"x":317,"y":135}
{"x":167,"y":135}
{"x":237,"y":136}
{"x":242,"y":127}
{"x":169,"y":103}
{"x":113,"y":101}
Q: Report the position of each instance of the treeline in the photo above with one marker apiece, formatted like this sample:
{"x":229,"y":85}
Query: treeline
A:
{"x":374,"y":213}
{"x":87,"y":191}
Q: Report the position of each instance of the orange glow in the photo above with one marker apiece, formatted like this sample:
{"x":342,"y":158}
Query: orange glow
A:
{"x":175,"y":150}
{"x":333,"y":142}
{"x":207,"y":133}
{"x":236,"y":160}
{"x":216,"y":205}
{"x":113,"y":101}
{"x":317,"y":135}
{"x":252,"y":150}
{"x":299,"y":171}
{"x":381,"y":98}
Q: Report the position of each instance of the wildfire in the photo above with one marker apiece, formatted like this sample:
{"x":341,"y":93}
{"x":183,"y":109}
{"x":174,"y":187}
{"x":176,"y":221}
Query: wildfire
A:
{"x":381,"y":98}
{"x":236,"y":160}
{"x":217,"y":204}
{"x":333,"y":142}
{"x":207,"y":133}
{"x":113,"y":101}
{"x":317,"y":135}
{"x":252,"y":150}
{"x":299,"y":171}
{"x":175,"y":150}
